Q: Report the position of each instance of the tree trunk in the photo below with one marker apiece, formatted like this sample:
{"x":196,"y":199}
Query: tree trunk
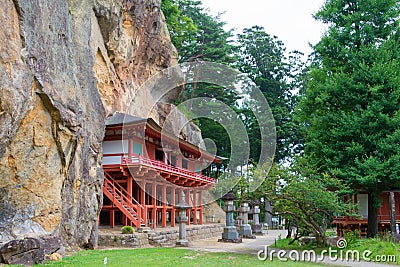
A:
{"x":392,"y":205}
{"x":289,"y":230}
{"x":373,"y":206}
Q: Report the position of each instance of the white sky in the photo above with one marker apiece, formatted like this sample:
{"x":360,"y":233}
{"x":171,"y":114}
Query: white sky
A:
{"x":290,"y":20}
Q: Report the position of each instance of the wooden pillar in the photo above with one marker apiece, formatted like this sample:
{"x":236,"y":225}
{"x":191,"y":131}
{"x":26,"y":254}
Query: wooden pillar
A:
{"x":194,"y":207}
{"x":124,"y":219}
{"x":129,"y":186}
{"x":200,"y":207}
{"x":173,"y":204}
{"x":164,"y":203}
{"x":142,"y":201}
{"x":188,"y":202}
{"x":112,"y":217}
{"x":154,"y":215}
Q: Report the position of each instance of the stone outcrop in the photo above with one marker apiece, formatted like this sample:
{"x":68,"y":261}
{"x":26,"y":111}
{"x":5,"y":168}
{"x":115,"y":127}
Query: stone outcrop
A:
{"x":65,"y":65}
{"x":30,"y":251}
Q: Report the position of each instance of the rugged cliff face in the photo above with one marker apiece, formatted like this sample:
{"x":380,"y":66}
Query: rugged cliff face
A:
{"x":65,"y":66}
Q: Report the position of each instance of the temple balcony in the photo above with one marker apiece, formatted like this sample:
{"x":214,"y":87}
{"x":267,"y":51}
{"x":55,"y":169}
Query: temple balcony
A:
{"x":142,"y":166}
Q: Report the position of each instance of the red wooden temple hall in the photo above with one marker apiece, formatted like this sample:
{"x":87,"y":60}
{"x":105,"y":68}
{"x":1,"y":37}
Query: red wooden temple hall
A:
{"x":360,"y":223}
{"x":144,"y":177}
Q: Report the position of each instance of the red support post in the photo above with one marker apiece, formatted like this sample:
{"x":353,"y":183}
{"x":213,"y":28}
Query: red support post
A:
{"x":200,"y":207}
{"x":188,"y":202}
{"x":154,"y":215}
{"x":164,"y":203}
{"x":130,"y":197}
{"x":173,"y":204}
{"x":142,"y":201}
{"x":194,"y":207}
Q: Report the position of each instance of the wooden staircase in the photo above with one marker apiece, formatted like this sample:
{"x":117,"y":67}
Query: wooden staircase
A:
{"x":124,"y":201}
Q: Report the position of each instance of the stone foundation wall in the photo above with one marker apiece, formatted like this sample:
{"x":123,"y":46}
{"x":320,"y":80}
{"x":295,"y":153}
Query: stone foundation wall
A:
{"x":169,"y":237}
{"x":162,"y":238}
{"x":135,"y":240}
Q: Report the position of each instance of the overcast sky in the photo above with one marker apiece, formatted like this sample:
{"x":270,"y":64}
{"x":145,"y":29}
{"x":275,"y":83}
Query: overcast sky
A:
{"x":290,"y":20}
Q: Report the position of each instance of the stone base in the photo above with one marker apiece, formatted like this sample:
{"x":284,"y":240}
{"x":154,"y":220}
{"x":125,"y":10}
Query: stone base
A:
{"x":257,"y":229}
{"x":238,"y":240}
{"x":248,"y":236}
{"x":230,"y":233}
{"x":182,"y":243}
{"x":245,"y":230}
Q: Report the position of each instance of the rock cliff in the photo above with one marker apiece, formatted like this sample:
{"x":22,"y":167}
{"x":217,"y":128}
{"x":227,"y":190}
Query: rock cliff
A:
{"x":65,"y":65}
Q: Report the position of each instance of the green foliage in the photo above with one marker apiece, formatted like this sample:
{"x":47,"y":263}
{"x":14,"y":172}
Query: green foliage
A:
{"x":263,"y":59}
{"x":378,"y":247}
{"x":351,"y":237}
{"x":304,"y":197}
{"x":181,"y":27}
{"x":127,"y":229}
{"x":283,"y":243}
{"x":206,"y":40}
{"x":350,"y":109}
{"x":196,"y":34}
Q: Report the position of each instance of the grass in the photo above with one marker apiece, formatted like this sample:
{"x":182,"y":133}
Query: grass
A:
{"x":166,"y":257}
{"x":284,"y":244}
{"x":379,"y":248}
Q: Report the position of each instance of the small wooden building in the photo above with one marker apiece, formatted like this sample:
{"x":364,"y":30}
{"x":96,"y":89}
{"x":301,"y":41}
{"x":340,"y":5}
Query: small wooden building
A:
{"x":146,"y":171}
{"x":360,"y":223}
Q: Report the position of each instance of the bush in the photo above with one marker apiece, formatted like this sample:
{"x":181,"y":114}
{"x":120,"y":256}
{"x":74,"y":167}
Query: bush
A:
{"x":127,"y":229}
{"x":351,"y":236}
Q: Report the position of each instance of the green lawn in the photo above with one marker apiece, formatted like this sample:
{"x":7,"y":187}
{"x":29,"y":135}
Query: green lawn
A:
{"x":166,"y":257}
{"x":379,"y":249}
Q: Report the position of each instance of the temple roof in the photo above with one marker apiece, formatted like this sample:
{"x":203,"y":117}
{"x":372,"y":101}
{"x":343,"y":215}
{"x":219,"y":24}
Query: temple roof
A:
{"x":126,"y":119}
{"x":122,"y":118}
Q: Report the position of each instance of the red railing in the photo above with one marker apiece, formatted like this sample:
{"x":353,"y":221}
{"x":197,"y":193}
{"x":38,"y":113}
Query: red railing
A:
{"x":158,"y":165}
{"x":123,"y":200}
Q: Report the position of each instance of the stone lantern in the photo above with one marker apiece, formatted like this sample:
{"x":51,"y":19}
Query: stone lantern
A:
{"x":256,"y":226}
{"x":244,"y":227}
{"x":230,"y":234}
{"x":182,"y":206}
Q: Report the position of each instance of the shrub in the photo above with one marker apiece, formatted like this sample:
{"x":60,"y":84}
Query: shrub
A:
{"x":351,"y":236}
{"x":127,"y":229}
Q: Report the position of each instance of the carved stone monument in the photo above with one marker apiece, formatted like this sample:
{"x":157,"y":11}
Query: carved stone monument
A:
{"x":256,"y":227}
{"x":182,"y":219}
{"x":230,"y":233}
{"x":244,"y":227}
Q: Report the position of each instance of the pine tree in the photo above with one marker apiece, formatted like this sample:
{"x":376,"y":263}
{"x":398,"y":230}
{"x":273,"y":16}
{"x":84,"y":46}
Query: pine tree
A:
{"x":351,"y":107}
